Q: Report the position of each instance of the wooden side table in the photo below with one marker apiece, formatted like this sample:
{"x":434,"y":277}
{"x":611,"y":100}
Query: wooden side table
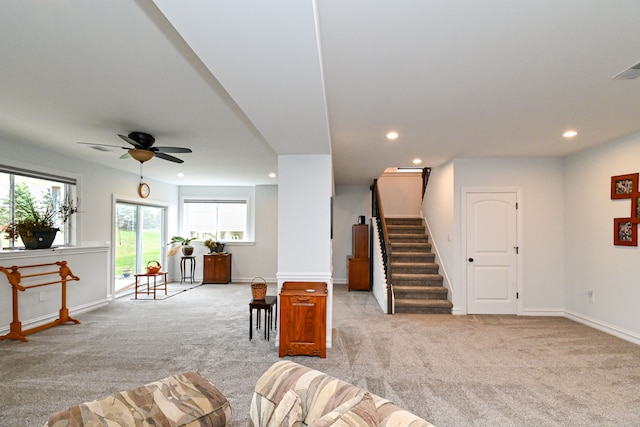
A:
{"x":154,"y":287}
{"x":267,"y":305}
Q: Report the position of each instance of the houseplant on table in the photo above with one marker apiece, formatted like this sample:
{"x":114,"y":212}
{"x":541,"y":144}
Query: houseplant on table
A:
{"x":213,"y":246}
{"x":37,"y":222}
{"x":184,"y":243}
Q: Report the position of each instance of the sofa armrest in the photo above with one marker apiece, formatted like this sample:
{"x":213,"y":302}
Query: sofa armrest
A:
{"x":319,"y":392}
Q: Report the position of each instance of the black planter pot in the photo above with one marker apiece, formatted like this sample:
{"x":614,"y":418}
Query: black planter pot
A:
{"x":187,"y":250}
{"x":40,"y":239}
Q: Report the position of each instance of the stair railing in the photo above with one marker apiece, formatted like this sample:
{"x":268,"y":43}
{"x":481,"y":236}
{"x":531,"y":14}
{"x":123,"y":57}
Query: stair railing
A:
{"x":378,"y":213}
{"x":425,"y":179}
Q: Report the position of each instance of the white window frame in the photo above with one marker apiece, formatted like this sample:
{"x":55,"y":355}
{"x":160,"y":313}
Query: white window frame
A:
{"x":224,"y":194}
{"x":73,"y":227}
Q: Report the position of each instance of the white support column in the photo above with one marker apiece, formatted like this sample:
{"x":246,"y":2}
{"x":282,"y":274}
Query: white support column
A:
{"x":304,"y":223}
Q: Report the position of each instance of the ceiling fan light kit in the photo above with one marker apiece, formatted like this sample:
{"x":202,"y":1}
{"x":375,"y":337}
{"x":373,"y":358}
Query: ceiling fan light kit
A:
{"x":140,"y":154}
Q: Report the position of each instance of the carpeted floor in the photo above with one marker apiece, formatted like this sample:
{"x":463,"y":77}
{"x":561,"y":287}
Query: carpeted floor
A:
{"x":451,"y":370}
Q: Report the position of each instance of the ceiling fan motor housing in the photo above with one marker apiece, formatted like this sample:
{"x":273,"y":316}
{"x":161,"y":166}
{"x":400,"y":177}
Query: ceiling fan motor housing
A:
{"x":142,"y":138}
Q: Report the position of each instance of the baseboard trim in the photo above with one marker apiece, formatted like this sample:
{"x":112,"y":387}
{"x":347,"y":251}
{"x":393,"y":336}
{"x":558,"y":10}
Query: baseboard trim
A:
{"x":549,"y":312}
{"x":621,"y":333}
{"x":35,"y":322}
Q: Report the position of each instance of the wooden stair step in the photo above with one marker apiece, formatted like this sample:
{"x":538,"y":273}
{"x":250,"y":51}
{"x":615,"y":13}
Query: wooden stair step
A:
{"x":414,"y":267}
{"x":411,"y":246}
{"x":403,"y":220}
{"x":399,"y":237}
{"x":410,"y":276}
{"x":423,"y":306}
{"x":403,"y":253}
{"x":405,"y":229}
{"x":421,"y":292}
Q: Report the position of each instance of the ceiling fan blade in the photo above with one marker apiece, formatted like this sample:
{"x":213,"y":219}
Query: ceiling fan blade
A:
{"x":131,"y":141}
{"x":101,"y":145}
{"x":168,"y":157}
{"x":171,"y":150}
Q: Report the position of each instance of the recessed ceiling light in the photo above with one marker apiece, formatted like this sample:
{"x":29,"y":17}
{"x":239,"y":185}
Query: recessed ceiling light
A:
{"x":570,"y":134}
{"x":272,"y":175}
{"x":180,"y":175}
{"x":392,"y":136}
{"x":417,"y":161}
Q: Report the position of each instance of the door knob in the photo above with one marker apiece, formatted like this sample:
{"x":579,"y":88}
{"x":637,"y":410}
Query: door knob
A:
{"x":470,"y":259}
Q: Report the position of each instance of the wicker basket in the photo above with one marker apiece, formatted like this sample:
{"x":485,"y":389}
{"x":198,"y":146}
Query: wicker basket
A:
{"x":153,"y":269}
{"x":258,"y":288}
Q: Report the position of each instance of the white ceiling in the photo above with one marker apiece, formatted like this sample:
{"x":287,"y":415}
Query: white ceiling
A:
{"x":241,"y":82}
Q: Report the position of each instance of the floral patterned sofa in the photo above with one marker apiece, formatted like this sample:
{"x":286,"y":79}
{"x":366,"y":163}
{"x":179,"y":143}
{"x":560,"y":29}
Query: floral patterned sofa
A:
{"x":182,"y":400}
{"x":289,"y":394}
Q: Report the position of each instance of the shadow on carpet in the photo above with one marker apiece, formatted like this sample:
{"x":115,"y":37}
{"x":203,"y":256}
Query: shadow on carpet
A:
{"x":173,"y":289}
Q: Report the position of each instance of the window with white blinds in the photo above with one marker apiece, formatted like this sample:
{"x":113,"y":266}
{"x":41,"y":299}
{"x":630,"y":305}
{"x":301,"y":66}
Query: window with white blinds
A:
{"x":222,"y":220}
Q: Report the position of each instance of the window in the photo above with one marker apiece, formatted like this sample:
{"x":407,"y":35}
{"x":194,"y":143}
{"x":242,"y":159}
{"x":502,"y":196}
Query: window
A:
{"x":44,"y":188}
{"x":224,"y":220}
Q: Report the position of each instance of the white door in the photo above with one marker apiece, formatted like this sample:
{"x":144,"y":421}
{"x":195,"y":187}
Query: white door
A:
{"x":491,"y":243}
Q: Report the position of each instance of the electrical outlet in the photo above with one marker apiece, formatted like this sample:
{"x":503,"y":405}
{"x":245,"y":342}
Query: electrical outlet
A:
{"x":42,"y":295}
{"x":591,"y":296}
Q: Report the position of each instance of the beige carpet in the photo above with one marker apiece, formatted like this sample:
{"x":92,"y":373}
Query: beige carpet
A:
{"x":451,"y":370}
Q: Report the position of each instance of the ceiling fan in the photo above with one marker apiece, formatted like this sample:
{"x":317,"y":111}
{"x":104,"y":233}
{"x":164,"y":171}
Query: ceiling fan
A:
{"x":143,"y":148}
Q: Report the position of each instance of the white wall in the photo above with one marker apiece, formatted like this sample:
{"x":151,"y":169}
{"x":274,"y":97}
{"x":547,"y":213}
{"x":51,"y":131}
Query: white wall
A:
{"x":349,"y":202}
{"x":438,"y":210}
{"x":249,"y":260}
{"x":401,"y":194}
{"x":592,"y":261}
{"x":541,"y":211}
{"x":304,"y":217}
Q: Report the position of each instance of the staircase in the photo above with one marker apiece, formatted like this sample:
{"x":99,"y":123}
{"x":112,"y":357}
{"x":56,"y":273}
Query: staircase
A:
{"x":417,"y":285}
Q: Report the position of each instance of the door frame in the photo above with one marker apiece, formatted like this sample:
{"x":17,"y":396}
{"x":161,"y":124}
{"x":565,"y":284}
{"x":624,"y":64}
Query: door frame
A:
{"x":118,"y":198}
{"x":519,"y":238}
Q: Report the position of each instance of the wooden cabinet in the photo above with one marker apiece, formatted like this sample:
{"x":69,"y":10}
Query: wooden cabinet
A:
{"x":360,"y":243}
{"x":359,"y":274}
{"x":358,"y":265}
{"x":217,"y":268}
{"x":303,"y":319}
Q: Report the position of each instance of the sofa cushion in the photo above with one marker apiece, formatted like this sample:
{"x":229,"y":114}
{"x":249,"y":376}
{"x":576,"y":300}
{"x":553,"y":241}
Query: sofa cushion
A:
{"x":324,"y":394}
{"x":271,"y":387}
{"x":392,"y":416}
{"x":182,"y":400}
{"x":359,"y":411}
{"x":288,"y":413}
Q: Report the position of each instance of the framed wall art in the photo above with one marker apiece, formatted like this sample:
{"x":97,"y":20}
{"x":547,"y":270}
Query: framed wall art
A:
{"x":635,"y":208}
{"x":623,"y":186}
{"x":625,"y":232}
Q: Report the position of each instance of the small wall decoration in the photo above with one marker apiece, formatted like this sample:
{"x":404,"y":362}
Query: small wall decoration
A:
{"x":623,"y":186}
{"x":625,"y":230}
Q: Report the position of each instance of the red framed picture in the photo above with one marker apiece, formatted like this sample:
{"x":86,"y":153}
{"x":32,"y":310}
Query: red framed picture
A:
{"x":625,"y":232}
{"x":635,"y":208}
{"x":623,"y":186}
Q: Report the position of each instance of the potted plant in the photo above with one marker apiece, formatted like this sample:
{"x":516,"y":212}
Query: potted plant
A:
{"x":37,"y":222}
{"x":184,"y":243}
{"x":214,"y":247}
